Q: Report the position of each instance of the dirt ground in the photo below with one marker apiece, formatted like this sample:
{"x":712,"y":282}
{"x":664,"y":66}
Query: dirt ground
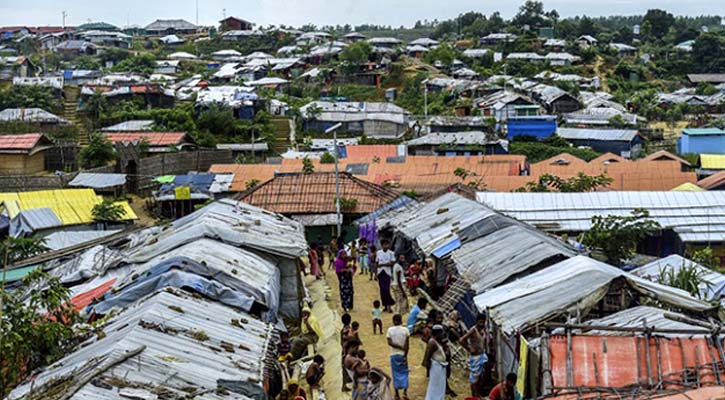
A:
{"x":376,"y":347}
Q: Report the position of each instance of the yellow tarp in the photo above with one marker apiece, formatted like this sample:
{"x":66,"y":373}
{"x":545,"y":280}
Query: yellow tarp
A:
{"x":688,"y":187}
{"x":71,"y":206}
{"x":712,"y":161}
{"x":182,"y":193}
{"x":524,"y":351}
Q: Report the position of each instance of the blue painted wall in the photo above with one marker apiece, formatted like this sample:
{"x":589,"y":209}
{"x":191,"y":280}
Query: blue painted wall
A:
{"x":698,"y":144}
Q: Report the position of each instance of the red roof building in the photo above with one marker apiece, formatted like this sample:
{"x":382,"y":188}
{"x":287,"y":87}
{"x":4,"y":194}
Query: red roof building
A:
{"x":159,"y":142}
{"x":23,"y":154}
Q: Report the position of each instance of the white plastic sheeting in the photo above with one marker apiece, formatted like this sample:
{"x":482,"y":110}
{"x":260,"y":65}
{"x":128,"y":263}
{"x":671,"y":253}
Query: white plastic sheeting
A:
{"x":62,"y":240}
{"x":574,"y":284}
{"x":97,"y":181}
{"x":711,"y":288}
{"x":190,"y":344}
{"x":694,"y":216}
{"x":636,"y":317}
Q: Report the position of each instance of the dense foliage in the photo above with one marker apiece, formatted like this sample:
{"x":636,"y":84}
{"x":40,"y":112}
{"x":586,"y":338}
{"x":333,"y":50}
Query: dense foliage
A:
{"x":98,"y":153}
{"x":617,"y":236}
{"x":30,"y":97}
{"x":576,"y":184}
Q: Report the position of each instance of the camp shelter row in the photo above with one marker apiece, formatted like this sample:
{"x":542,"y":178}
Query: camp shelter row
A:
{"x":527,"y":281}
{"x":194,"y":306}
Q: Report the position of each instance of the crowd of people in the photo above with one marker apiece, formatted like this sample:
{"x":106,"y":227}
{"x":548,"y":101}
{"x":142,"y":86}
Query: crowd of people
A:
{"x":398,"y":282}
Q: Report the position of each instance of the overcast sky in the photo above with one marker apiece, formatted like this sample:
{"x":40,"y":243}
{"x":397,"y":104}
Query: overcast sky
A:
{"x":320,"y":12}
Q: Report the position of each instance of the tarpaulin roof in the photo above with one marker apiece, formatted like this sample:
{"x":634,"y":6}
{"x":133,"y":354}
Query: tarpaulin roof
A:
{"x":28,"y":221}
{"x":184,"y":345}
{"x":71,"y":206}
{"x":65,"y":239}
{"x":577,"y":283}
{"x":97,"y":180}
{"x":509,"y":251}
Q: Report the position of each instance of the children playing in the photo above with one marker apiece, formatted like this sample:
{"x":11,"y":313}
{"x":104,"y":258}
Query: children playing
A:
{"x":377,"y":317}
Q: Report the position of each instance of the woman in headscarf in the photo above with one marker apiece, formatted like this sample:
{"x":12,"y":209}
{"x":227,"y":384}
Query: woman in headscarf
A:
{"x":314,"y":261}
{"x":344,"y":277}
{"x":379,"y":385}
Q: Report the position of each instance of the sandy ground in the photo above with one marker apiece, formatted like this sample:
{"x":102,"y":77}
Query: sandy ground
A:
{"x":376,"y":346}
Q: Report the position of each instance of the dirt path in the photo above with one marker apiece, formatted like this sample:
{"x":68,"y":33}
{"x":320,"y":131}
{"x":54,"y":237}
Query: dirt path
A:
{"x":376,"y":346}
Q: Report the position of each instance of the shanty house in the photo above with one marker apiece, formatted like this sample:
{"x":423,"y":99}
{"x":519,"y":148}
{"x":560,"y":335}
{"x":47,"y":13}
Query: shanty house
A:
{"x":32,"y":116}
{"x":23,"y":154}
{"x":458,"y":143}
{"x":235,"y":24}
{"x":493,"y":39}
{"x":375,"y":120}
{"x":538,"y":126}
{"x":73,"y":48}
{"x":16,"y":67}
{"x":701,"y":140}
{"x":624,"y":142}
{"x":502,"y":105}
{"x":162,"y":27}
{"x":310,"y":199}
{"x":440,"y":123}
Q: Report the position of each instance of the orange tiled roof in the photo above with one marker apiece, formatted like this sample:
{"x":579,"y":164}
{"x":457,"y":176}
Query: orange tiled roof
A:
{"x":371,"y":150}
{"x":315,"y":194}
{"x":610,"y":157}
{"x":20,"y":142}
{"x":665,"y":155}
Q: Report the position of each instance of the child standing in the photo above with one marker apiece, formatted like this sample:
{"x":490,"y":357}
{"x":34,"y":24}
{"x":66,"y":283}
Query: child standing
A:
{"x":355,"y":331}
{"x":377,"y":317}
{"x":352,"y":262}
{"x":364,"y":257}
{"x":373,"y":262}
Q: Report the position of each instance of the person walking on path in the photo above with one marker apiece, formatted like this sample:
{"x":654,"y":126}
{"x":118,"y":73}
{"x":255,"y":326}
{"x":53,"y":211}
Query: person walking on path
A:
{"x":399,"y":341}
{"x":333,"y":252}
{"x":474,"y":341}
{"x":436,"y":360}
{"x":314,"y":261}
{"x":385,"y":261}
{"x":344,"y":277}
{"x":398,"y":285}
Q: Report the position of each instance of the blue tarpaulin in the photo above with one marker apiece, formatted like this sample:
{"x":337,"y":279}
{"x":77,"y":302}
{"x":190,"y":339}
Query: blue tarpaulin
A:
{"x":447,"y":248}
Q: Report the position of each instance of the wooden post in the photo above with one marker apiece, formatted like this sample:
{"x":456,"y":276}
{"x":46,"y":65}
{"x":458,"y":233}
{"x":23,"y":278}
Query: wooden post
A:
{"x":659,"y":362}
{"x":639,"y":355}
{"x":647,"y":354}
{"x":569,"y":360}
{"x":715,"y":368}
{"x":596,"y":372}
{"x":546,"y":383}
{"x":697,"y":367}
{"x":499,"y":354}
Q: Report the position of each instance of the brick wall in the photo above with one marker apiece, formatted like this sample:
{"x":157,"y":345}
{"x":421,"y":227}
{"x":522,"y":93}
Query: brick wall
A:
{"x":29,"y":183}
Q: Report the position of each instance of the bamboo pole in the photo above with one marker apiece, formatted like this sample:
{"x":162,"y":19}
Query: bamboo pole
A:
{"x":697,"y":370}
{"x":546,"y":365}
{"x":569,"y":360}
{"x":715,"y":368}
{"x":659,"y":361}
{"x":596,"y":372}
{"x":647,"y":354}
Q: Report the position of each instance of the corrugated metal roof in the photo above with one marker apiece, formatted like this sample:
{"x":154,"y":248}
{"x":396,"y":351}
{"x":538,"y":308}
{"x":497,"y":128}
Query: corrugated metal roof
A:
{"x":459,"y":138}
{"x":97,"y":180}
{"x":577,"y":283}
{"x":626,"y":135}
{"x":694,"y":216}
{"x":28,"y":221}
{"x":397,"y":206}
{"x":506,"y":252}
{"x":22,"y":142}
{"x":181,"y":348}
{"x":32,"y":115}
{"x":62,"y":240}
{"x":153,"y":138}
{"x":713,"y":182}
{"x":636,"y":317}
{"x":712,"y":161}
{"x":355,"y":111}
{"x":164,"y":24}
{"x":131,"y":126}
{"x":703,"y":131}
{"x":711,"y":288}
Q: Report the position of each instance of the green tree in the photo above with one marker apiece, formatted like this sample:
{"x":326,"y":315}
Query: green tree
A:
{"x":443,"y":53}
{"x":707,"y":52}
{"x":94,"y":106}
{"x":618,"y":122}
{"x":707,"y":258}
{"x":98,"y":153}
{"x":87,"y":62}
{"x":577,"y":184}
{"x":144,"y":63}
{"x":107,"y":211}
{"x":617,"y":236}
{"x":29,"y":96}
{"x":660,"y":22}
{"x":355,"y":55}
{"x":35,"y":325}
{"x":530,"y":13}
{"x":307,"y":166}
{"x":327,"y":158}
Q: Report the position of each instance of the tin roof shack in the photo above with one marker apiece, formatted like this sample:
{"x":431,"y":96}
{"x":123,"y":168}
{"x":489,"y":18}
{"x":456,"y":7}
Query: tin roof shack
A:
{"x":624,"y":142}
{"x":71,"y":49}
{"x":235,"y":24}
{"x":458,"y":143}
{"x":375,"y":120}
{"x":138,"y":125}
{"x":179,"y":195}
{"x":53,"y":210}
{"x":701,"y":140}
{"x":441,"y":123}
{"x":688,"y":219}
{"x":106,"y":38}
{"x":503,"y":104}
{"x":162,"y":27}
{"x":154,"y":95}
{"x":23,"y":154}
{"x":158,"y":142}
{"x":553,"y":99}
{"x":35,"y":119}
{"x":16,"y":67}
{"x":310,"y":199}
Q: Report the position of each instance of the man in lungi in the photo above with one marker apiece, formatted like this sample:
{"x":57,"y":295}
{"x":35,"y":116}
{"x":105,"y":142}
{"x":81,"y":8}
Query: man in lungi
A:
{"x":474,"y":342}
{"x":398,"y":340}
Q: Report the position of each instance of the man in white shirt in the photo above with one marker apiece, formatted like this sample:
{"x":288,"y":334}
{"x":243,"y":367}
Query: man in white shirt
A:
{"x":386,"y":259}
{"x":398,"y":340}
{"x":398,"y":287}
